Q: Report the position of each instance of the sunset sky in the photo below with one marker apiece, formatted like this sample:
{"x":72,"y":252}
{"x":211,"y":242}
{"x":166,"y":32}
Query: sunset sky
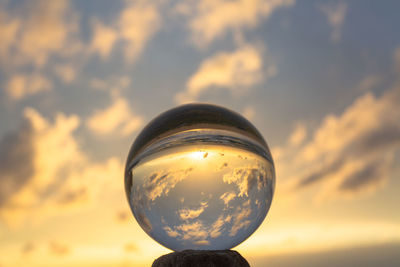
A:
{"x":80,"y":79}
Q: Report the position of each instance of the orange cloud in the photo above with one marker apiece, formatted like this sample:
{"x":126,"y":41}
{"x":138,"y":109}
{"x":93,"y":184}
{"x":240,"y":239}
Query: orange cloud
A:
{"x":21,"y":85}
{"x":135,"y":26}
{"x":349,"y":153}
{"x":103,"y":39}
{"x":239,"y":69}
{"x":211,"y":19}
{"x":65,"y":72}
{"x":44,"y":171}
{"x":298,"y":135}
{"x":9,"y":27}
{"x":117,"y":117}
{"x":32,"y":35}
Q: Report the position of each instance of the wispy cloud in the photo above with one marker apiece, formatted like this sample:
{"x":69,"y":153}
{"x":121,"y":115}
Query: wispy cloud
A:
{"x":369,"y":82}
{"x":349,"y":153}
{"x":241,"y":218}
{"x":356,"y":148}
{"x":298,"y":136}
{"x":335,"y":15}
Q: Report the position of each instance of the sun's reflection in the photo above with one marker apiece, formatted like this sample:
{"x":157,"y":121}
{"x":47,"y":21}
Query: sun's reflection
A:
{"x":197,"y":155}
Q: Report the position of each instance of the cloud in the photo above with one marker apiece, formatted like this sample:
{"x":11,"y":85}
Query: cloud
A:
{"x":16,"y":161}
{"x":298,"y":135}
{"x":138,"y":23}
{"x":364,"y":136}
{"x":160,"y":183}
{"x":195,"y":231}
{"x":19,"y":85}
{"x":189,"y":214}
{"x":335,"y":15}
{"x":73,"y":195}
{"x":236,"y":70}
{"x":116,"y":118}
{"x":135,"y":26}
{"x":9,"y":27}
{"x":246,"y":178}
{"x":44,"y":172}
{"x":219,"y":224}
{"x":170,"y":232}
{"x":369,"y":82}
{"x":211,"y":19}
{"x":227,"y":197}
{"x":199,"y":233}
{"x":249,"y":112}
{"x":241,"y":218}
{"x":36,"y":30}
{"x":350,"y":153}
{"x":113,"y":84}
{"x":103,"y":39}
{"x":66,"y":72}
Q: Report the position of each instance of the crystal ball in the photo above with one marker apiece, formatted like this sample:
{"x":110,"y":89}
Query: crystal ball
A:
{"x":199,"y":177}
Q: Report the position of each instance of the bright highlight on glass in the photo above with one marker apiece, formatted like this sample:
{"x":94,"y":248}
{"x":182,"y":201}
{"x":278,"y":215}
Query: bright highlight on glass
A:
{"x":199,"y":177}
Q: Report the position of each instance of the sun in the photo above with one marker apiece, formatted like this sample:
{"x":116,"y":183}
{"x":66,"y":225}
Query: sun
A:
{"x":198,"y":155}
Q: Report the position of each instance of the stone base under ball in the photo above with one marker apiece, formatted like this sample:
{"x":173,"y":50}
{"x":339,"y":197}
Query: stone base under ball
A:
{"x":202,"y":258}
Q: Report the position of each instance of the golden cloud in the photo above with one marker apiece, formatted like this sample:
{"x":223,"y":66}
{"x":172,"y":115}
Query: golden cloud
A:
{"x":235,"y":70}
{"x":45,"y":171}
{"x":349,"y":153}
{"x":211,"y":19}
{"x":135,"y":26}
{"x":103,"y":39}
{"x":245,"y":179}
{"x":32,"y":35}
{"x":117,"y":117}
{"x":20,"y":85}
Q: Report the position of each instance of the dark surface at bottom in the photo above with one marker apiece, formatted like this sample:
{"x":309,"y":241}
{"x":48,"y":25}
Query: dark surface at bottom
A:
{"x":202,"y":258}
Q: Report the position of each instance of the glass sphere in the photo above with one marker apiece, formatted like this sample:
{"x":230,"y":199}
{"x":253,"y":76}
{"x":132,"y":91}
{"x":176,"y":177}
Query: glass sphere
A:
{"x":199,"y":177}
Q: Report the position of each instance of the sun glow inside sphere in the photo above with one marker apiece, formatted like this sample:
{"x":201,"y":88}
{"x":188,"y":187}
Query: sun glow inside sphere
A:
{"x":199,"y":177}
